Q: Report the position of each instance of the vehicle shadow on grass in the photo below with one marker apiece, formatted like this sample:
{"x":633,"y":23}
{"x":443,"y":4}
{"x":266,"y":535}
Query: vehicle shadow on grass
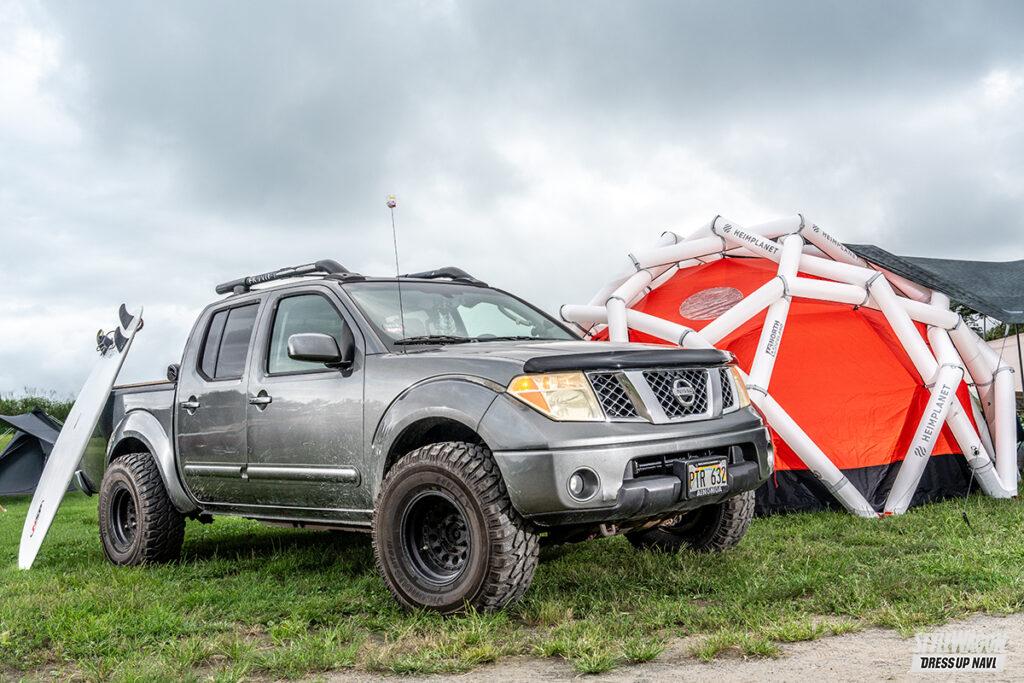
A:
{"x":265,"y":542}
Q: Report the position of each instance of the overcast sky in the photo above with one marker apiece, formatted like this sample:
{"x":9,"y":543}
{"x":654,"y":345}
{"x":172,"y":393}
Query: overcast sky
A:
{"x":149,"y":150}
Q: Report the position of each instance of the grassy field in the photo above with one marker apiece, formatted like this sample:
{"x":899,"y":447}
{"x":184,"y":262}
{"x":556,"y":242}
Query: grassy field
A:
{"x":254,"y":601}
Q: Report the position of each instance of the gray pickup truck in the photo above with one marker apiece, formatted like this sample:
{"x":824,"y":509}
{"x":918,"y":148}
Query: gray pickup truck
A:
{"x":454,"y":421}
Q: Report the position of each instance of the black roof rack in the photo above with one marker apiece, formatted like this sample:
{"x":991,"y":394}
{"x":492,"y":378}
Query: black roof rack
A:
{"x":447,"y":273}
{"x":333,"y":269}
{"x":244,"y":284}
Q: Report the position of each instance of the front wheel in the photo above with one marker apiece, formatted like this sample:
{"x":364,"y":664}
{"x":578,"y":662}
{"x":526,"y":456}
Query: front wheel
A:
{"x":712,"y":528}
{"x":445,"y":534}
{"x":138,"y":522}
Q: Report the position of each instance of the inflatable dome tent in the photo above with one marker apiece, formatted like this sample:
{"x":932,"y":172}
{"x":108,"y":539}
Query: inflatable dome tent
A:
{"x":878,"y":396}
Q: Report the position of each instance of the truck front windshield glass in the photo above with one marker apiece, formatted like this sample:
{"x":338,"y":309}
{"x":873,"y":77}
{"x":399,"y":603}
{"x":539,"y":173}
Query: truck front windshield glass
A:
{"x":447,"y":313}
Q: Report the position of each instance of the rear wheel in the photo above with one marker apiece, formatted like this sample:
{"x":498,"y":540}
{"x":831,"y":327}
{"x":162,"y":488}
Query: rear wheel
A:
{"x":138,"y":522}
{"x":445,"y":534}
{"x":712,"y":528}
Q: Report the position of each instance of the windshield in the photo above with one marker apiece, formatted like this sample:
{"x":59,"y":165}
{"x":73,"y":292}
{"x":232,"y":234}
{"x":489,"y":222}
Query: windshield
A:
{"x":448,"y":313}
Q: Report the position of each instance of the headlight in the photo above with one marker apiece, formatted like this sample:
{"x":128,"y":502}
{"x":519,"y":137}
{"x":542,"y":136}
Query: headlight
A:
{"x":559,"y":395}
{"x":741,"y":386}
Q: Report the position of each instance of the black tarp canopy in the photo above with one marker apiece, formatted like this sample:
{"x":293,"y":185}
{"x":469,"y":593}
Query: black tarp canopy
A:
{"x":22,"y":461}
{"x":995,"y":288}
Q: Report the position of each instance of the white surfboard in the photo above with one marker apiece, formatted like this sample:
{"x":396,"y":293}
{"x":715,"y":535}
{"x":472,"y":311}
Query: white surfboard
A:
{"x":74,"y":436}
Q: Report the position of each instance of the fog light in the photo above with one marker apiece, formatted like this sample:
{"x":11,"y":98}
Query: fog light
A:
{"x":576,"y":485}
{"x":582,"y":484}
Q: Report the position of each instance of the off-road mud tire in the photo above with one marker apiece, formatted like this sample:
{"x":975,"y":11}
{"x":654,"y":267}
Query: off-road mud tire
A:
{"x":133,"y":496}
{"x":498,"y":549}
{"x":712,"y":528}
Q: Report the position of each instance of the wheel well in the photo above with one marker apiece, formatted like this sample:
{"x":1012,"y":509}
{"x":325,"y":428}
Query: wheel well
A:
{"x":128,"y":445}
{"x":428,"y":431}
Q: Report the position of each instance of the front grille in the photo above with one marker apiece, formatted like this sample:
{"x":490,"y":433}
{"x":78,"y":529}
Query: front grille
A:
{"x":612,"y":395}
{"x":681,"y":393}
{"x":728,"y":396}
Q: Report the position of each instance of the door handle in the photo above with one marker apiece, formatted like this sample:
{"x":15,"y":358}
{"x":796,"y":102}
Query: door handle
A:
{"x":261,"y":400}
{"x":191,"y":405}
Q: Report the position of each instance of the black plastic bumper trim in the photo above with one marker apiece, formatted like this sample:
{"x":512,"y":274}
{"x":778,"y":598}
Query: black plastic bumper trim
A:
{"x":645,"y":497}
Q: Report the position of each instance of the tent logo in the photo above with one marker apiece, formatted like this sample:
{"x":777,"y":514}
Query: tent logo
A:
{"x":767,"y":246}
{"x":772,"y":347}
{"x":684,"y":392}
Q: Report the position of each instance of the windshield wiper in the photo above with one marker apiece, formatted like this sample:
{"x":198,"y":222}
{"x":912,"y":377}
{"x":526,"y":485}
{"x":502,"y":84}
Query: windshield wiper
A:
{"x":432,"y":339}
{"x":514,"y":337}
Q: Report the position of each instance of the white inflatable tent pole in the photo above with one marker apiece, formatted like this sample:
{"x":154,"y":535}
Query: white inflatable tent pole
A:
{"x":675,"y":253}
{"x":977,"y":454}
{"x":850,"y":280}
{"x":1006,"y":428}
{"x":920,"y":451}
{"x":838,"y":251}
{"x":617,"y":329}
{"x":745,"y":309}
{"x":775,"y":321}
{"x":900,"y":320}
{"x":926,"y":365}
{"x":949,"y":349}
{"x":817,"y":462}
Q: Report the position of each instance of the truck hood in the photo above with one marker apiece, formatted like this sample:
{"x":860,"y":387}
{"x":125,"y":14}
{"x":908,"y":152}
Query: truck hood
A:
{"x":549,"y":356}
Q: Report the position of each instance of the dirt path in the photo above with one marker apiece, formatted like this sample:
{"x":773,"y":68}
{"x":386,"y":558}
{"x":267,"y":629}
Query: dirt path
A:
{"x":870,"y":655}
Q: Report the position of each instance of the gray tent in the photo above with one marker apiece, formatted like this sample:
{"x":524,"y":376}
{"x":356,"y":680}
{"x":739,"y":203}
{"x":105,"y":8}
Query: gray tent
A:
{"x":22,"y":461}
{"x":995,"y":288}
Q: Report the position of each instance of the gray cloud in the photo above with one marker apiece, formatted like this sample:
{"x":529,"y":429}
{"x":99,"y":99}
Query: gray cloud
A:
{"x":148,"y":151}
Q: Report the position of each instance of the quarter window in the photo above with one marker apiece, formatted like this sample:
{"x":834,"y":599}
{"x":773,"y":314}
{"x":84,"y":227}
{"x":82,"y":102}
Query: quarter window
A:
{"x":227,"y":342}
{"x":299,"y":315}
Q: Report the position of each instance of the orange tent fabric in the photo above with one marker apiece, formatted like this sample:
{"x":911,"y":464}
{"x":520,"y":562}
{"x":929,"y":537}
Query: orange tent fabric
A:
{"x":840,"y":372}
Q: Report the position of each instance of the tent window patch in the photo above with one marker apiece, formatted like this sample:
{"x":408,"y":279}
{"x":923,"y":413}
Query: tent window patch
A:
{"x":710,"y":303}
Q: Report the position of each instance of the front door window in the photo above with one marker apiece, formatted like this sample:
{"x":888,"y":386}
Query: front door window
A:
{"x":299,"y":315}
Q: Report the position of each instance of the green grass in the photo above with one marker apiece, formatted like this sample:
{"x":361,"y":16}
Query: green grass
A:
{"x":253,"y":601}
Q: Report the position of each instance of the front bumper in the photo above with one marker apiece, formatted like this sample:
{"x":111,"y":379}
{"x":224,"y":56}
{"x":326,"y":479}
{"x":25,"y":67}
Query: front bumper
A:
{"x":638,"y":476}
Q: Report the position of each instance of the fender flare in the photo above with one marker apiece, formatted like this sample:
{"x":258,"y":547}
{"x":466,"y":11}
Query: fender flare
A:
{"x":458,"y":398}
{"x":143,"y":426}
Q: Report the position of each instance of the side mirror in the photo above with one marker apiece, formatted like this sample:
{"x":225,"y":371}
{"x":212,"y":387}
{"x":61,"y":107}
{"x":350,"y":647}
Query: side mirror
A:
{"x":173,"y":370}
{"x":314,"y":347}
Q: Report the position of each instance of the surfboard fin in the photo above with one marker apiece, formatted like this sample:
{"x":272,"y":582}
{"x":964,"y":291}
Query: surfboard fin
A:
{"x":125,"y":317}
{"x":119,"y":340}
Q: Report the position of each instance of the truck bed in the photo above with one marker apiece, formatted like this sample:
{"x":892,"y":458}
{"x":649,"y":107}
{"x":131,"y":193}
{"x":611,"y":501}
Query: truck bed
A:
{"x":156,"y":397}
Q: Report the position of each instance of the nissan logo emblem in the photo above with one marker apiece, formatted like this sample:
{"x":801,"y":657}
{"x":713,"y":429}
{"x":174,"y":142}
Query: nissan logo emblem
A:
{"x":684,"y":392}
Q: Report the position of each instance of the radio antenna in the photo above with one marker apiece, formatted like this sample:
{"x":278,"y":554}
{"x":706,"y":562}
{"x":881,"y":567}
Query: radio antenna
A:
{"x":392,"y":203}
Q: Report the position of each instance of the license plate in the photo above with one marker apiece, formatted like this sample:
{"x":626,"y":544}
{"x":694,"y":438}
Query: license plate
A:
{"x":707,"y":478}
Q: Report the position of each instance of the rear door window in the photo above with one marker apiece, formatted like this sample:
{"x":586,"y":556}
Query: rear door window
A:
{"x":214,"y":332}
{"x":227,"y":342}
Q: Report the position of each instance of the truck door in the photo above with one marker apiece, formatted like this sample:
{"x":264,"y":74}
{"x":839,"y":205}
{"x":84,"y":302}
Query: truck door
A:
{"x":211,"y":404}
{"x":305,"y":420}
